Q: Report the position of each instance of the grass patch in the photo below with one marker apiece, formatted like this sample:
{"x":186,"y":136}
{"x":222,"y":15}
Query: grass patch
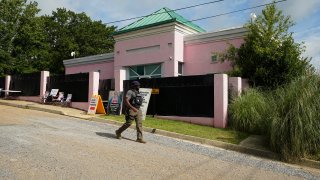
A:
{"x":225,"y":135}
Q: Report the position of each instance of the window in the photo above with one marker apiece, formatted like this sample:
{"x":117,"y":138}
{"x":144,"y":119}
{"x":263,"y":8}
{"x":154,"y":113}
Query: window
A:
{"x":214,"y":57}
{"x":180,"y":68}
{"x":145,"y":71}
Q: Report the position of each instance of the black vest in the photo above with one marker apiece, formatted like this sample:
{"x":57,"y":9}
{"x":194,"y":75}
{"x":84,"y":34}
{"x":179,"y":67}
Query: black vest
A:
{"x":137,"y":100}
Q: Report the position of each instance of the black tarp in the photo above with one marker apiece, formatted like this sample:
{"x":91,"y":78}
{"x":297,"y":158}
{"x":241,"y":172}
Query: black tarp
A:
{"x":75,"y":84}
{"x":190,"y":96}
{"x":28,"y":84}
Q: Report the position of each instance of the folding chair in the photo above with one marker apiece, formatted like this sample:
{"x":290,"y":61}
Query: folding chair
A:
{"x":59,"y":98}
{"x":54,"y":92}
{"x":67,"y":101}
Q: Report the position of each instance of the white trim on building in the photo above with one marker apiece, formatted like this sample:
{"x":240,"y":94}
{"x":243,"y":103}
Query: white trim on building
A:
{"x":89,"y":60}
{"x":216,"y":35}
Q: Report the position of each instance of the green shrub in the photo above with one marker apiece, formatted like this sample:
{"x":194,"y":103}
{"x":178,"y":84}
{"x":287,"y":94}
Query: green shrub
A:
{"x":248,"y":112}
{"x":295,"y":131}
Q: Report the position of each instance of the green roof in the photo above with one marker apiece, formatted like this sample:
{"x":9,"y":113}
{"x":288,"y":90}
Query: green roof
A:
{"x":162,"y":16}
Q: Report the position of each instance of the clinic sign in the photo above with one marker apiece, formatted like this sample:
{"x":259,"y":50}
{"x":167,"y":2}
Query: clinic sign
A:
{"x":96,"y":105}
{"x":145,"y":93}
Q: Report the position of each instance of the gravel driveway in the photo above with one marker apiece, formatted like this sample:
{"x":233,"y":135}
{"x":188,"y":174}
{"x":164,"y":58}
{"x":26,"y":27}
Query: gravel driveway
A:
{"x":39,"y":145}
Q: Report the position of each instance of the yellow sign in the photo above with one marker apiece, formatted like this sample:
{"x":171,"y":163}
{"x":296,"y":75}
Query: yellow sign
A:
{"x":96,"y":105}
{"x":155,"y":91}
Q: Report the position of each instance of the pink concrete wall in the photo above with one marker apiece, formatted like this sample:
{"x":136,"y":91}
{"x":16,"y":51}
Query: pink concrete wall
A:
{"x":124,"y":58}
{"x":197,"y":57}
{"x":106,"y":69}
{"x":80,"y":105}
{"x":29,"y":98}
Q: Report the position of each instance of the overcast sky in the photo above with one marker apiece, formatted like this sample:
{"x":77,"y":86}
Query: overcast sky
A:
{"x":305,"y":13}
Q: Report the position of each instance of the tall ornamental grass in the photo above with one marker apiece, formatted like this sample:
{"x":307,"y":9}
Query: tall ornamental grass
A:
{"x":288,"y":116}
{"x":249,"y":112}
{"x":295,"y":132}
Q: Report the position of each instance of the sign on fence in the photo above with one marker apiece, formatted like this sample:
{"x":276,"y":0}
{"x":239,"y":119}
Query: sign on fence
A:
{"x":145,"y":93}
{"x":95,"y":105}
{"x":115,"y":103}
{"x":155,"y":91}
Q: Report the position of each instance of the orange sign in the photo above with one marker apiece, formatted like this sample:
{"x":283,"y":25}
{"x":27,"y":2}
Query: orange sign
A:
{"x":96,"y":105}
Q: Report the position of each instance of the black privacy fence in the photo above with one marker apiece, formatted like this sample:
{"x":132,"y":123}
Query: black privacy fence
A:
{"x":2,"y":85}
{"x":28,"y":84}
{"x":190,"y":96}
{"x":105,"y":86}
{"x":75,"y":84}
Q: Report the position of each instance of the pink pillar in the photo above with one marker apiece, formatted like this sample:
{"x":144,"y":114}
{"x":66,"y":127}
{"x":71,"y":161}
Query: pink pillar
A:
{"x":93,"y":84}
{"x":7,"y":84}
{"x":235,"y":85}
{"x":220,"y":100}
{"x":119,"y":75}
{"x":43,"y":82}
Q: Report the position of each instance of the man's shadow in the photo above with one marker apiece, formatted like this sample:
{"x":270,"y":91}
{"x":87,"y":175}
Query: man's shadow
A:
{"x":110,"y":135}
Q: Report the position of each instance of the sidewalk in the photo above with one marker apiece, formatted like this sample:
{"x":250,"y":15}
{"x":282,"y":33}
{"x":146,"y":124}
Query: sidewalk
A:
{"x":253,"y":145}
{"x":47,"y":108}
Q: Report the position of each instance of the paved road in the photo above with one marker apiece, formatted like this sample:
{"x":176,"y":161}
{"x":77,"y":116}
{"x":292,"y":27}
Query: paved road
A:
{"x":38,"y":145}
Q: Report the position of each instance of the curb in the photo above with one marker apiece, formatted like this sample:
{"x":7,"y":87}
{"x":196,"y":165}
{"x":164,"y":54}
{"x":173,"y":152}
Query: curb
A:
{"x":310,"y":163}
{"x":223,"y":145}
{"x":45,"y":110}
{"x":220,"y":144}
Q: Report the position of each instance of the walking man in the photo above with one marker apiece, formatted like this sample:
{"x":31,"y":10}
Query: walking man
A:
{"x":133,"y":101}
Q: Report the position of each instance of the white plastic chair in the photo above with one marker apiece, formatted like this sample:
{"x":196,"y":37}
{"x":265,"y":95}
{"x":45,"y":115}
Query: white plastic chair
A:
{"x":60,"y":97}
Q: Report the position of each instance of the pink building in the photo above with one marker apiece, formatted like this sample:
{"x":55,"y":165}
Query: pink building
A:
{"x":163,"y":44}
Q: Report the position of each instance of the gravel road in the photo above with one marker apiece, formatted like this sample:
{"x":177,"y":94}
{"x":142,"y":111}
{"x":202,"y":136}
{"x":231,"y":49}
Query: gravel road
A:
{"x":39,"y":145}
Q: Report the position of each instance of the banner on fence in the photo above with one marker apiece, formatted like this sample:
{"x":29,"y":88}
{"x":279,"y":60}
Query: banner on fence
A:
{"x":96,"y":105}
{"x":145,"y":93}
{"x":115,"y":103}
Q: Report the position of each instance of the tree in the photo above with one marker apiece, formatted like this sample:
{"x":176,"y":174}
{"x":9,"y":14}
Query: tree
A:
{"x":31,"y":43}
{"x":21,"y":38}
{"x":269,"y":57}
{"x":68,"y":31}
